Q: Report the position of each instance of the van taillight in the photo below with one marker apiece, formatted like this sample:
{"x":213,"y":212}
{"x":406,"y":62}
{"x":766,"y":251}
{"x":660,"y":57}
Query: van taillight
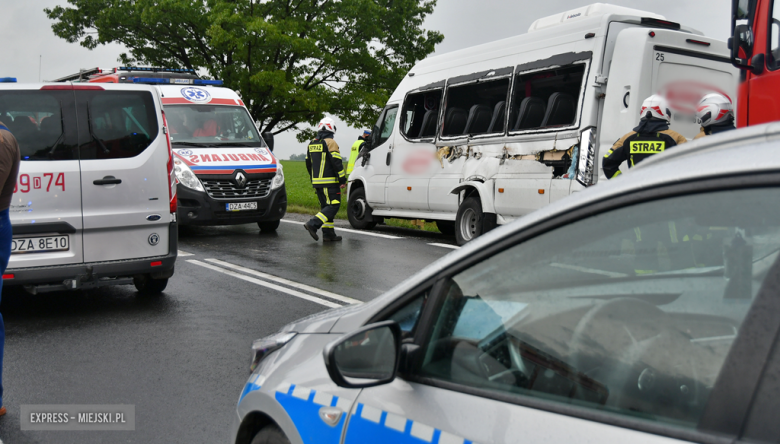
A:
{"x":171,"y":174}
{"x":8,"y":276}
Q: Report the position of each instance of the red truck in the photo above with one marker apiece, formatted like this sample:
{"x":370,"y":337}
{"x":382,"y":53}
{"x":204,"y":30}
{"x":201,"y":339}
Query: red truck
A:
{"x":755,"y":49}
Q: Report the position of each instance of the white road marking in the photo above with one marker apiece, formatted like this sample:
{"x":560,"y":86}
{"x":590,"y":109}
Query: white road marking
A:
{"x":611,"y":274}
{"x":435,"y":244}
{"x":184,"y":253}
{"x":290,"y":283}
{"x":266,"y":284}
{"x":367,"y":233}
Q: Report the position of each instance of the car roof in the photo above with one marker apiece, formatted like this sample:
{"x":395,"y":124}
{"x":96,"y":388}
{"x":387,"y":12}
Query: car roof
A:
{"x":745,"y":151}
{"x":77,"y":85}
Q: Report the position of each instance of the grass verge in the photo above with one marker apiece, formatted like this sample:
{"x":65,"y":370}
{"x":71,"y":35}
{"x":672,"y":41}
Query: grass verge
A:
{"x":301,"y":197}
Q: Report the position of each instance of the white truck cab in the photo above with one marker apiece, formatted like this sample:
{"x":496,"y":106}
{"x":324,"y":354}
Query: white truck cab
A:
{"x":479,"y":137}
{"x":95,"y":199}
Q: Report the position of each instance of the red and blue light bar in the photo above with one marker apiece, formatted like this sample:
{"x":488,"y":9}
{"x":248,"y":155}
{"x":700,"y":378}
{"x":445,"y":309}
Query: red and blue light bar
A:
{"x":150,"y":80}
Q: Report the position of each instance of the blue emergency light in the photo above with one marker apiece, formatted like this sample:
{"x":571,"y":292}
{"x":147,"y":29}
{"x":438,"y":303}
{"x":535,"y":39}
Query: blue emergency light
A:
{"x":149,"y":80}
{"x":153,"y":69}
{"x":7,"y":79}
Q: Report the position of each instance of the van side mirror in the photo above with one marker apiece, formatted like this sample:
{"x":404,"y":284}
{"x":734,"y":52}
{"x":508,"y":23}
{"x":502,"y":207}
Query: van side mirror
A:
{"x":742,"y":40}
{"x":269,"y":140}
{"x":365,"y":358}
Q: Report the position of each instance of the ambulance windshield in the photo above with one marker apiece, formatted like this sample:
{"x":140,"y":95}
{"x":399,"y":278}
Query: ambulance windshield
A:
{"x":211,"y":125}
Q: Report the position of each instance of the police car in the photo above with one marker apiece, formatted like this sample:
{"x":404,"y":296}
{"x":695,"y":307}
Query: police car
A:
{"x":644,"y":310}
{"x":227,"y":173}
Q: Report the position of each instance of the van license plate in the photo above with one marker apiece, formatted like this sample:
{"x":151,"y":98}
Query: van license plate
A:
{"x":40,"y":244}
{"x":241,"y":206}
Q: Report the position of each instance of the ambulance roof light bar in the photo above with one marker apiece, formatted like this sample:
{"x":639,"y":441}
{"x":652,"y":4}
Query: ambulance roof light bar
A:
{"x":156,"y":81}
{"x":7,"y":79}
{"x":153,"y":69}
{"x":83,"y":74}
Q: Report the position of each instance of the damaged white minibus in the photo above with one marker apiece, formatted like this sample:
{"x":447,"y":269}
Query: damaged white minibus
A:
{"x":478,"y":137}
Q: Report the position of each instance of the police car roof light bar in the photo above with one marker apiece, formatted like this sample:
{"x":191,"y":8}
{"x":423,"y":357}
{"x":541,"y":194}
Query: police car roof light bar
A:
{"x":156,"y":81}
{"x":7,"y":79}
{"x":153,"y":69}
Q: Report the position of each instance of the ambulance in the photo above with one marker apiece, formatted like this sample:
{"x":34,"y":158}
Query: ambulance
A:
{"x":226,"y":171}
{"x":479,"y":137}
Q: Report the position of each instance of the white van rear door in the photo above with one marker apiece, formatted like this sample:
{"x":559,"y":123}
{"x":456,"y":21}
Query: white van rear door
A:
{"x":684,"y":76}
{"x":46,"y":206}
{"x":124,"y":176}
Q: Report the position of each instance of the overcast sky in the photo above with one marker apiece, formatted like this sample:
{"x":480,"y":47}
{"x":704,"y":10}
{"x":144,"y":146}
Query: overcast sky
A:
{"x":29,"y":44}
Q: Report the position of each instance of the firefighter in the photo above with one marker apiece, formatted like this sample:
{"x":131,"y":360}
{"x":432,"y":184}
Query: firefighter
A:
{"x":323,"y":161}
{"x":356,"y":147}
{"x":715,"y":115}
{"x":651,"y":136}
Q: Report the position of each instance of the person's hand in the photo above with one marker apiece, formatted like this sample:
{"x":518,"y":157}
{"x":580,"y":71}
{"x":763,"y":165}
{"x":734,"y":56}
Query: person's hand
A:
{"x":343,"y":185}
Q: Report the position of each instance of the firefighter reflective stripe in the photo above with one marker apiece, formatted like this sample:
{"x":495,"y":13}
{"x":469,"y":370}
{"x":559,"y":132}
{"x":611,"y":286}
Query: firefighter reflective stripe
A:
{"x":327,"y":225}
{"x":322,"y":166}
{"x":324,"y":180}
{"x":321,"y":217}
{"x":336,"y":154}
{"x":647,"y":147}
{"x":616,"y":174}
{"x":673,"y":232}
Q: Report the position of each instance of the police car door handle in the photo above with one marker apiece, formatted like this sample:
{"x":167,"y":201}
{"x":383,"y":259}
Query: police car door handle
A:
{"x":108,"y":180}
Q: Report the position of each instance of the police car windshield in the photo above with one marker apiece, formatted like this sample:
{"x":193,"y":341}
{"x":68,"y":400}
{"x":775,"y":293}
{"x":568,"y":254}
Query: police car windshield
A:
{"x":212,"y":126}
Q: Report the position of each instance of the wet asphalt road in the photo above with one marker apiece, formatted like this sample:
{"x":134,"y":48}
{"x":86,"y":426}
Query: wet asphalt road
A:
{"x":183,"y":357}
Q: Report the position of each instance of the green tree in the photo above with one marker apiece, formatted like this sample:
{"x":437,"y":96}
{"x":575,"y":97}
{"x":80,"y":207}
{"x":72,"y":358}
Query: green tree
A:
{"x":291,"y":60}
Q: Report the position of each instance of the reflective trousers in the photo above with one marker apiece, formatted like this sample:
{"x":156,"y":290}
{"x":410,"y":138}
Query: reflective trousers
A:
{"x":330,"y":201}
{"x":5,"y":253}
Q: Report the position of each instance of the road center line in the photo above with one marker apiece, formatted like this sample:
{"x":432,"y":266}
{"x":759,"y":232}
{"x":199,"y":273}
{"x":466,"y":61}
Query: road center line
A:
{"x":367,"y":233}
{"x":297,"y":294}
{"x":435,"y":244}
{"x":290,"y":283}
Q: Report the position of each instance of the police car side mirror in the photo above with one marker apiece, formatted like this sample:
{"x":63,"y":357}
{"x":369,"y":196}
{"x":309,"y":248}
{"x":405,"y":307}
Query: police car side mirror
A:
{"x":269,"y":140}
{"x":365,"y":358}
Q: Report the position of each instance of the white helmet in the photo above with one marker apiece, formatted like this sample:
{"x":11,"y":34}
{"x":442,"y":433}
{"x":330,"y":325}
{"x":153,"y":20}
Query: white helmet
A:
{"x":655,"y":106}
{"x":327,"y":124}
{"x":713,"y":108}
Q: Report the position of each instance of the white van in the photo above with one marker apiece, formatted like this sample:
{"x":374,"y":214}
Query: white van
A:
{"x":226,"y":171}
{"x":95,"y":200}
{"x":478,"y":137}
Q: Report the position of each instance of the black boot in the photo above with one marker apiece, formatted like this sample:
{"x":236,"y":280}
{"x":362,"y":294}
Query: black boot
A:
{"x":312,"y":231}
{"x":329,"y":235}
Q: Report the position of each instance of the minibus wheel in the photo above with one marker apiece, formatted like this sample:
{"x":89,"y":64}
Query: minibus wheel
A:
{"x":358,"y":210}
{"x":468,"y":222}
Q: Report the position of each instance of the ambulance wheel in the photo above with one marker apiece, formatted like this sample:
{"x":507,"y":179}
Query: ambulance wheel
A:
{"x":270,"y":434}
{"x":446,"y":227}
{"x":268,"y":226}
{"x":357,"y":207}
{"x":148,"y":286}
{"x":468,"y":222}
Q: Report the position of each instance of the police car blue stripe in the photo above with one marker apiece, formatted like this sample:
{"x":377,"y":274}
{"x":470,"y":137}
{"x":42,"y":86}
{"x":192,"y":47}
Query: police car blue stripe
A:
{"x":367,"y":424}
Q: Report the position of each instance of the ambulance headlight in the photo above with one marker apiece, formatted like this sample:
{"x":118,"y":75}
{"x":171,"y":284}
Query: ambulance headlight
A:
{"x":279,"y":178}
{"x":264,"y":347}
{"x":185,"y":176}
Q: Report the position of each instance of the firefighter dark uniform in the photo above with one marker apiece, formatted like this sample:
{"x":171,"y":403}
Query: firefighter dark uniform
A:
{"x":635,"y":147}
{"x":323,"y":161}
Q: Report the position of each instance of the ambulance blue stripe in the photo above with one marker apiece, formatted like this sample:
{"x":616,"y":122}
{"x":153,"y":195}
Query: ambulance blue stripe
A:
{"x":226,"y":167}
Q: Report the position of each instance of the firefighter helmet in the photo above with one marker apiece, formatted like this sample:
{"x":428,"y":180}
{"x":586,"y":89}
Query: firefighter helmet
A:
{"x":327,"y":124}
{"x":713,"y":108}
{"x":657,"y":107}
